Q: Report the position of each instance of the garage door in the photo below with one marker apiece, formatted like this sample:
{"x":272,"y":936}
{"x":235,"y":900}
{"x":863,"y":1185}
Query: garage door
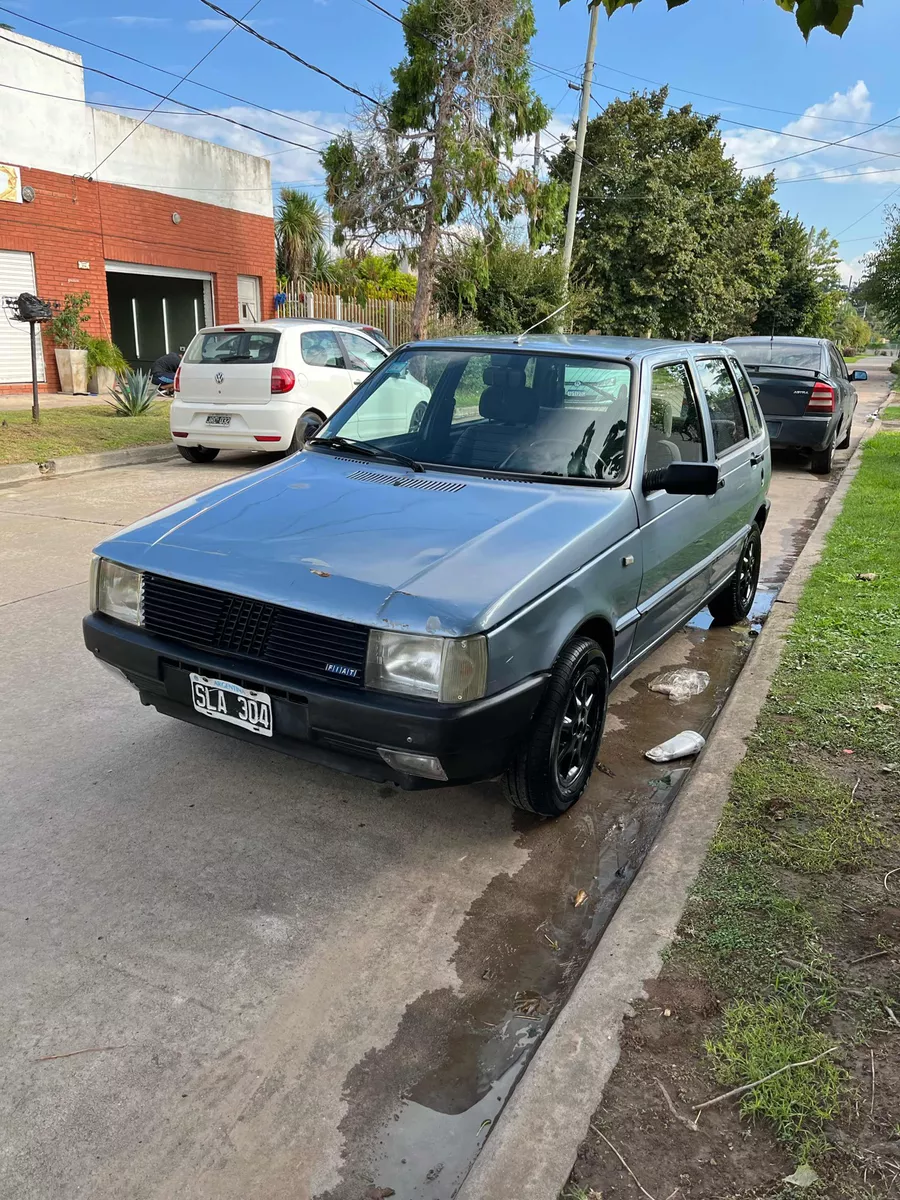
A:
{"x":16,"y":276}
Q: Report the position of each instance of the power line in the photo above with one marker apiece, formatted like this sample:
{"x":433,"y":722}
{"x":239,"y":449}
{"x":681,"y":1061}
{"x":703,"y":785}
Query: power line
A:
{"x":172,"y":89}
{"x":880,"y":204}
{"x":193,"y":107}
{"x":163,"y":71}
{"x":290,"y":53}
{"x":841,"y":142}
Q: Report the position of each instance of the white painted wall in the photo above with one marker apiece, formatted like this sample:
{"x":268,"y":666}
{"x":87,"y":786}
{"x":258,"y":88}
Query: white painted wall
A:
{"x":61,"y":133}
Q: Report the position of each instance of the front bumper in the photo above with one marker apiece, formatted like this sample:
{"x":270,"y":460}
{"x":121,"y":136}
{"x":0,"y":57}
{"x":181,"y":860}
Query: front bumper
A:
{"x":328,"y":723}
{"x":805,"y":433}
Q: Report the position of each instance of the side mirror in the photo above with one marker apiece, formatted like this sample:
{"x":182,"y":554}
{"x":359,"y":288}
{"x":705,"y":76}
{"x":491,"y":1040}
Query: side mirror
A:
{"x":859,"y":376}
{"x":684,"y":479}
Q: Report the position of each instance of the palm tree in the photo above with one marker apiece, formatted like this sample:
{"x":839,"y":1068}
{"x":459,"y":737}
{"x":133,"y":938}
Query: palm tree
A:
{"x":299,"y":233}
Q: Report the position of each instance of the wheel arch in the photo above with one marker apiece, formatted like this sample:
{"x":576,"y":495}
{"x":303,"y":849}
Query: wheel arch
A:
{"x":600,"y":630}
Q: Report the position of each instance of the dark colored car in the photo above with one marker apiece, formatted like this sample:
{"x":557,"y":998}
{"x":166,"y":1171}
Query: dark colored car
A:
{"x":805,"y":392}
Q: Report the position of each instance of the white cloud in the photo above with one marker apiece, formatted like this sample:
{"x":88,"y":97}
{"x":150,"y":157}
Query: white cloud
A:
{"x":852,"y":270}
{"x":127,"y":19}
{"x":205,"y":23}
{"x":756,"y":151}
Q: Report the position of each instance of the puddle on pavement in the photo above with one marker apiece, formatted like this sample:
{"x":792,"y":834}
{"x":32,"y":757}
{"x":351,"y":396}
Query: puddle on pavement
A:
{"x":420,"y":1109}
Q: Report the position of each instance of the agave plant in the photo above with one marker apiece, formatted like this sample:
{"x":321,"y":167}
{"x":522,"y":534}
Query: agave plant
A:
{"x":133,"y":393}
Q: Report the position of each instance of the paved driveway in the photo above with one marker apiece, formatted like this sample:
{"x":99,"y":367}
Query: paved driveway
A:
{"x":229,"y":974}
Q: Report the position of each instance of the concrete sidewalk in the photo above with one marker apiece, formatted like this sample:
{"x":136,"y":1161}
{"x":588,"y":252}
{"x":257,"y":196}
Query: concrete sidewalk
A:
{"x":47,"y":400}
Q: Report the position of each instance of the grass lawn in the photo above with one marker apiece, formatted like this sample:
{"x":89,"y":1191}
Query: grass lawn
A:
{"x":891,"y":413}
{"x":85,"y":430}
{"x":789,"y":948}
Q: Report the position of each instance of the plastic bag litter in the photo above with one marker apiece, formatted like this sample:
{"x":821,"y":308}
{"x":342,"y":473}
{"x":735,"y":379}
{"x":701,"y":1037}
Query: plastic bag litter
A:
{"x":679,"y":746}
{"x":681,"y":684}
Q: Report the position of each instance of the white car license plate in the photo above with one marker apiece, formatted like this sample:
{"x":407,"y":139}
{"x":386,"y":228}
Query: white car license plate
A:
{"x":219,"y":419}
{"x":230,"y":702}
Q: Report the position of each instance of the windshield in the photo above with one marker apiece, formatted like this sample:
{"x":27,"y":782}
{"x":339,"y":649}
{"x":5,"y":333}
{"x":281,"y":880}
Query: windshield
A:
{"x":517,"y":413}
{"x":233,"y":346}
{"x":778,"y":354}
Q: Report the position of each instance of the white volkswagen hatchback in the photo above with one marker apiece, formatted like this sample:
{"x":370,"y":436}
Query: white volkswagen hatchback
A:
{"x":270,"y":385}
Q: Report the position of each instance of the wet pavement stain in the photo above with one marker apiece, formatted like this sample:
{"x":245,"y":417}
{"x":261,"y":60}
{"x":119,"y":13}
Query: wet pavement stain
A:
{"x":420,"y":1108}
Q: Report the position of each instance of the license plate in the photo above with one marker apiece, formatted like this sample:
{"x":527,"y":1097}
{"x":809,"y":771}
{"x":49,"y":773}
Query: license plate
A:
{"x":230,"y":702}
{"x":219,"y":419}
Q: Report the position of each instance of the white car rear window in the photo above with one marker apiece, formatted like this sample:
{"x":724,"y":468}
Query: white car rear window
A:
{"x":248,"y":346}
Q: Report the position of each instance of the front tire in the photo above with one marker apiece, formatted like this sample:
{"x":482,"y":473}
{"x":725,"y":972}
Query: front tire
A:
{"x":734,"y":601}
{"x":198,"y":454}
{"x":555,"y":762}
{"x":821,"y":461}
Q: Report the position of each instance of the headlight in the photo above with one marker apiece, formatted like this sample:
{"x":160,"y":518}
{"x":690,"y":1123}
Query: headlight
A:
{"x":117,"y":591}
{"x":447,"y":669}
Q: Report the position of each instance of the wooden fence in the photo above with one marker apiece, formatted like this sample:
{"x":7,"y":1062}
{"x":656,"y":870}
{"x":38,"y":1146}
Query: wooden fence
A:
{"x":325,"y":302}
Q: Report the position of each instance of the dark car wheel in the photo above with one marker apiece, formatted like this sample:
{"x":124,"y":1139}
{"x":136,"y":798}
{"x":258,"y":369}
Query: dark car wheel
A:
{"x":844,"y":443}
{"x":198,"y":454}
{"x":735,"y":600}
{"x":418,"y":416}
{"x":821,"y":461}
{"x":554,"y":765}
{"x":308,"y":425}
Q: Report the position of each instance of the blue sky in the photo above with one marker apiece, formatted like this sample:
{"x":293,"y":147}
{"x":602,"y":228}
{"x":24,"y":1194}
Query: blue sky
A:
{"x":745,"y":53}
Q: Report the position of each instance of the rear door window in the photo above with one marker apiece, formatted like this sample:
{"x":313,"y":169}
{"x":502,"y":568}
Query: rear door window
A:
{"x":729,"y":424}
{"x":244,"y":346}
{"x":320,"y":348}
{"x":838,"y":366}
{"x":750,"y":402}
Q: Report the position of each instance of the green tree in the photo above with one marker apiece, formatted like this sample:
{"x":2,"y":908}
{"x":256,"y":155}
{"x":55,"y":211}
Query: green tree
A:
{"x":299,"y":235}
{"x":805,"y":299}
{"x":503,"y":284}
{"x":881,"y":286}
{"x":433,"y":160}
{"x":670,"y":240}
{"x":375,"y":276}
{"x":833,"y":15}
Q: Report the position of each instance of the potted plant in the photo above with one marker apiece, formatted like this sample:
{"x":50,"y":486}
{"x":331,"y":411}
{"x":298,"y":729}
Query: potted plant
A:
{"x":104,"y":362}
{"x":67,"y":330}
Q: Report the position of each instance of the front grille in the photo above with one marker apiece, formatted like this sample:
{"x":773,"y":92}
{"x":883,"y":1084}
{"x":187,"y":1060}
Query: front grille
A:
{"x":298,"y":641}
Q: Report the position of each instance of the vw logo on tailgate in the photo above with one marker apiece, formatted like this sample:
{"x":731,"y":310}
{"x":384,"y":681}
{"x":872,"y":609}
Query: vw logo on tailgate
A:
{"x":220,"y":378}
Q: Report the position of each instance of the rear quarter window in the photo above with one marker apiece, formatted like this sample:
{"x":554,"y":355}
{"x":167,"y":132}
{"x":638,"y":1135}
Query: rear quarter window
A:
{"x":247,"y":346}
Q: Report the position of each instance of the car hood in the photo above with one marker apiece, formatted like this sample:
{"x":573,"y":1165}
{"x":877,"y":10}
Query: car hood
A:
{"x":375,"y":544}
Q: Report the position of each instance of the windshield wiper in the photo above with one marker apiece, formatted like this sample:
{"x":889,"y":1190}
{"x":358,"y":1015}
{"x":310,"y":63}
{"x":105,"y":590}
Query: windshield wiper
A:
{"x":367,"y":449}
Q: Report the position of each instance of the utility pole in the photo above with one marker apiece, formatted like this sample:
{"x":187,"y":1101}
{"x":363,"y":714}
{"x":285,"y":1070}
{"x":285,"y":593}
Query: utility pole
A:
{"x":586,"y":80}
{"x":537,"y":153}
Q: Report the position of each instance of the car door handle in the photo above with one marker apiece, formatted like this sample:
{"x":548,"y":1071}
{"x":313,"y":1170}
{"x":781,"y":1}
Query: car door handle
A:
{"x":756,"y":459}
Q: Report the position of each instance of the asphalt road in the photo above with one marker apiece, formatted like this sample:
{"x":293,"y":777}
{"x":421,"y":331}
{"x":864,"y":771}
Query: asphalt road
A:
{"x":228,"y":974}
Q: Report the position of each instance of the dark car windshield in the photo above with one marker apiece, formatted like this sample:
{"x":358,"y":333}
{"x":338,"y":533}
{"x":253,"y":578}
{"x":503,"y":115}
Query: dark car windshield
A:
{"x":233,"y":346}
{"x":778,"y":354}
{"x":516,"y":413}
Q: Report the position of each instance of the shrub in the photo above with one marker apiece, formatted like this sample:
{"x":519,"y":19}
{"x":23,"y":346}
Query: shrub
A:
{"x":66,"y":326}
{"x":133,"y":393}
{"x":104,"y":353}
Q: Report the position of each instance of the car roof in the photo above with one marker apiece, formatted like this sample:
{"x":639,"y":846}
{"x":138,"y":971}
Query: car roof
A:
{"x":283,"y":324}
{"x":585,"y":344}
{"x":780,"y":339}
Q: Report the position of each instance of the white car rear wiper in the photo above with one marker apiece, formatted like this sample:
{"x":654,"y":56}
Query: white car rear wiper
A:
{"x":367,"y":449}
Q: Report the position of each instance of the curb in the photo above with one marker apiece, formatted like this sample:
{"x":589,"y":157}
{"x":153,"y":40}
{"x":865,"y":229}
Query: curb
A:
{"x":75,"y":464}
{"x":530,"y":1152}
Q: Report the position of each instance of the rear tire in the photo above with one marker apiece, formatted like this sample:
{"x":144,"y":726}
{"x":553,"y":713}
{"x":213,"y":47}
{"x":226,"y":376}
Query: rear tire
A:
{"x":734,"y":601}
{"x":198,"y":454}
{"x":821,"y":461}
{"x":308,"y":425}
{"x":844,"y":443}
{"x":556,"y":760}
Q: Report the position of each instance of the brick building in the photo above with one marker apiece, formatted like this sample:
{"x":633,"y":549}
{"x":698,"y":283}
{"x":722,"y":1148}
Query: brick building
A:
{"x":169,"y":234}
